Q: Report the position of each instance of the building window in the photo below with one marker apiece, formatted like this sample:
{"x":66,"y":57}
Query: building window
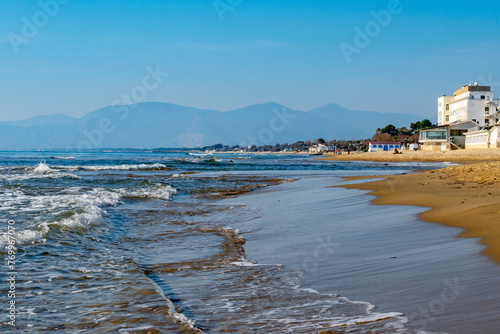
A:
{"x":474,"y":120}
{"x":447,"y":107}
{"x":436,"y":135}
{"x":483,"y":97}
{"x":472,"y":97}
{"x":440,"y":104}
{"x":487,"y":109}
{"x":447,"y":118}
{"x":486,"y":122}
{"x":455,"y":133}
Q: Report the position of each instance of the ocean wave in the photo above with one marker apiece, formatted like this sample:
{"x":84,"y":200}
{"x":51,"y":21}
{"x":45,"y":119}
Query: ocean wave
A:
{"x":143,"y":167}
{"x":159,"y":191}
{"x":74,"y":208}
{"x":155,"y":166}
{"x":200,"y":154}
{"x":21,"y":177}
{"x":42,"y":168}
{"x":40,"y":171}
{"x":29,"y":236}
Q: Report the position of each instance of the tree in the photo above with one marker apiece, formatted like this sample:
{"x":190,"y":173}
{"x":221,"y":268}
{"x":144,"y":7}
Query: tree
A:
{"x":321,"y":141}
{"x":404,"y":131}
{"x":390,"y":130}
{"x":421,"y":125}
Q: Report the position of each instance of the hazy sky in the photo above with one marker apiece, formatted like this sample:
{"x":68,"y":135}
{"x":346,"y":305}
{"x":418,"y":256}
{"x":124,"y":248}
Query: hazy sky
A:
{"x":82,"y":55}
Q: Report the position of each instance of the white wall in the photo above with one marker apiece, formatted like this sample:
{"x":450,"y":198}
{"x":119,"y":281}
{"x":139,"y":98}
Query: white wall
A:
{"x":443,"y":101}
{"x":494,"y":138}
{"x":465,"y":107}
{"x":469,"y":109}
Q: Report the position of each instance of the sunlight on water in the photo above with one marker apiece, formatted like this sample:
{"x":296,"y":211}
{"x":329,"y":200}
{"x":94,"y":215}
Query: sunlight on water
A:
{"x":139,"y":243}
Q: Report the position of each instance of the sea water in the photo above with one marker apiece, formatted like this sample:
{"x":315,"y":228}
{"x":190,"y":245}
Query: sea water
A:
{"x":179,"y":243}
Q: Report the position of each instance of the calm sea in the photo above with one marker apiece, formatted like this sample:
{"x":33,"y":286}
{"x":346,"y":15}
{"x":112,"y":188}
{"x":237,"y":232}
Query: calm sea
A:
{"x":157,"y":243}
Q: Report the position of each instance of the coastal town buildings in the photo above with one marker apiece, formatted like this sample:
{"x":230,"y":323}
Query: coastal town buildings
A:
{"x":321,"y":149}
{"x":468,"y":119}
{"x":469,"y":103}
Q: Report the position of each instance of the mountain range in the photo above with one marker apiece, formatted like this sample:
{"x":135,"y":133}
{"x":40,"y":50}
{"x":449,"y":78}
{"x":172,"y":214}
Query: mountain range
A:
{"x":154,"y":125}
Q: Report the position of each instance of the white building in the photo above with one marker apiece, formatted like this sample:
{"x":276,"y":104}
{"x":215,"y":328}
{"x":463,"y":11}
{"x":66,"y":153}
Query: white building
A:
{"x":469,"y":103}
{"x":468,"y":119}
{"x":384,"y":146}
{"x":447,"y":136}
{"x":321,"y":149}
{"x":486,"y":138}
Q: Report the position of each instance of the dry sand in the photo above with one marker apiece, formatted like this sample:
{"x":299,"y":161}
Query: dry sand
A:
{"x":423,"y":156}
{"x":465,"y":196}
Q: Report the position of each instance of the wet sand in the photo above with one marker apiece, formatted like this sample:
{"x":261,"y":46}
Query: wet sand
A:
{"x":379,"y":254}
{"x":466,"y":196}
{"x":462,"y":156}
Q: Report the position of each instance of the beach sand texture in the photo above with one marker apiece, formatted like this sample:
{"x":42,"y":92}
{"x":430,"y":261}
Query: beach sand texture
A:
{"x":464,"y":196}
{"x":424,"y":156}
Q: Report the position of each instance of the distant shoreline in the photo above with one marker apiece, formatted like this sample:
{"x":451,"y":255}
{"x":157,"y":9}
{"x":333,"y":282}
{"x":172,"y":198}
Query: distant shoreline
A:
{"x":458,"y":156}
{"x":173,"y":150}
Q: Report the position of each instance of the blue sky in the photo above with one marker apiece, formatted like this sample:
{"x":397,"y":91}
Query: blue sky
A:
{"x":85,"y":55}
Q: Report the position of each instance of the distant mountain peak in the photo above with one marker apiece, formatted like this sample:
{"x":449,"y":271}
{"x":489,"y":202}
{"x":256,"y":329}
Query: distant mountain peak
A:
{"x":158,"y":124}
{"x":42,"y":120}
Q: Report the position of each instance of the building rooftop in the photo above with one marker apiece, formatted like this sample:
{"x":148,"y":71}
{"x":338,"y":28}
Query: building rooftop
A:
{"x":472,"y":88}
{"x":385,"y":142}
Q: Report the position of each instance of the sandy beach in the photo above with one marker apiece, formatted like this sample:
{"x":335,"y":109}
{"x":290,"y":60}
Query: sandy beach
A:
{"x":462,"y":156}
{"x":383,"y":255}
{"x":464,"y":196}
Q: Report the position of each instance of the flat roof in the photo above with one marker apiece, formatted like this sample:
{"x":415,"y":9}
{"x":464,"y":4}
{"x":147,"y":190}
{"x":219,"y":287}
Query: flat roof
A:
{"x":471,"y":88}
{"x":385,"y":142}
{"x":447,"y":125}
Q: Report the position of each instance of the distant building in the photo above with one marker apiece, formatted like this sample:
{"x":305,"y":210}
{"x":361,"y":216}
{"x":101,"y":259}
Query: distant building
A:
{"x":469,"y":103}
{"x":321,"y":149}
{"x":413,"y":146}
{"x":446,"y":137}
{"x":468,"y":119}
{"x":384,"y":146}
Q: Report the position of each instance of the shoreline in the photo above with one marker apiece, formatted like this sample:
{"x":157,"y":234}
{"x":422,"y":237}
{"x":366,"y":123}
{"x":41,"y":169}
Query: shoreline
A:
{"x":385,"y":257}
{"x":459,"y":156}
{"x":464,"y":196}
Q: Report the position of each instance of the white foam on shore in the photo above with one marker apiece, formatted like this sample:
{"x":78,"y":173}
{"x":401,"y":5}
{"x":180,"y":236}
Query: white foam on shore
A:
{"x":72,"y":209}
{"x":244,"y":263}
{"x":124,"y":167}
{"x":172,"y":313}
{"x":159,"y":191}
{"x":134,"y":329}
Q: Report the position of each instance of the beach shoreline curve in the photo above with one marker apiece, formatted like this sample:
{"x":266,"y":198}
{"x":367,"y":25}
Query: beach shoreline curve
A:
{"x":463,"y":196}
